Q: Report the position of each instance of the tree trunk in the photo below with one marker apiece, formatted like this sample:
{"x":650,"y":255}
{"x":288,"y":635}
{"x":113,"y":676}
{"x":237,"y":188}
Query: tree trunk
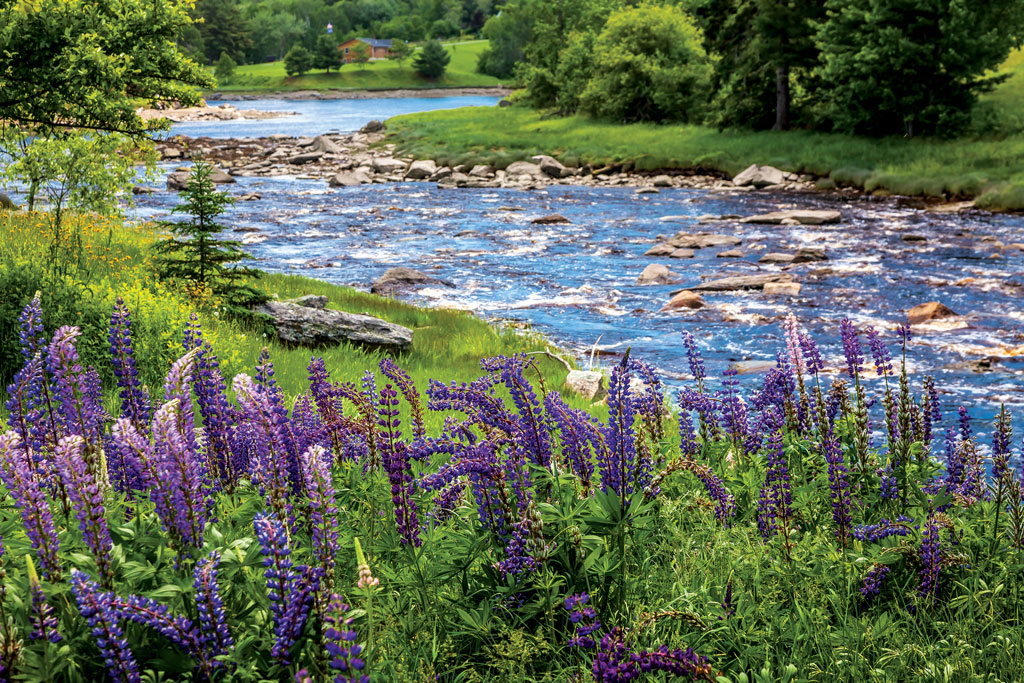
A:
{"x":781,"y":98}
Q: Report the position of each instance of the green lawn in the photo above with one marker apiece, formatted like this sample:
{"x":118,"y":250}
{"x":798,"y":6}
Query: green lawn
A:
{"x":382,"y":74}
{"x":988,"y":164}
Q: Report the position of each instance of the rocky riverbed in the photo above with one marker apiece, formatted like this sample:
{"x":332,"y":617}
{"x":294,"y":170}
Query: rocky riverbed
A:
{"x":223,"y":112}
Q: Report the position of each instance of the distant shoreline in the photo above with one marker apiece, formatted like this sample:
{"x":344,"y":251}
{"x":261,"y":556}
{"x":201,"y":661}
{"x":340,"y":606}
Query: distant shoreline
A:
{"x":361,"y":94}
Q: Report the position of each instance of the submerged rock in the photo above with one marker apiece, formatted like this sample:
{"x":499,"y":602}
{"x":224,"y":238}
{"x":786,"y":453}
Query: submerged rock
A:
{"x":933,"y":310}
{"x":397,"y":280}
{"x":307,"y":322}
{"x":553,"y":219}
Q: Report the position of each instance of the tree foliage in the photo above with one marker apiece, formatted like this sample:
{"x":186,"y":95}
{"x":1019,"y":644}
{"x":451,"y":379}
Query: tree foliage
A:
{"x":195,"y":256}
{"x":298,"y":61}
{"x":225,"y":69}
{"x":360,"y":53}
{"x":327,"y":56}
{"x":400,"y":52}
{"x":432,"y":60}
{"x":88,"y":64}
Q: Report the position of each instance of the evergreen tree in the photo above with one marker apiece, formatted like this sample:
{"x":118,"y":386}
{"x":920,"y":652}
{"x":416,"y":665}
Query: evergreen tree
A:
{"x":298,"y":61}
{"x":195,"y":256}
{"x":327,"y":56}
{"x":223,"y":29}
{"x":910,"y":67}
{"x":225,"y":69}
{"x":432,"y":60}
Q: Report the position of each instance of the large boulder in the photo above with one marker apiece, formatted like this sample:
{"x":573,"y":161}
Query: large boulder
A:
{"x":305,"y":158}
{"x":703,"y":240}
{"x":326,"y":145}
{"x":759,"y":176}
{"x":397,"y":280}
{"x":522,"y":168}
{"x":350,"y":179}
{"x":586,"y":383}
{"x":684,"y":300}
{"x":796,"y":216}
{"x":781,"y":288}
{"x":219,"y":177}
{"x":655,"y":274}
{"x":421,"y":170}
{"x":389,"y":165}
{"x":177,"y":181}
{"x":933,"y":310}
{"x":552,"y":167}
{"x":307,"y":322}
{"x":734,"y":282}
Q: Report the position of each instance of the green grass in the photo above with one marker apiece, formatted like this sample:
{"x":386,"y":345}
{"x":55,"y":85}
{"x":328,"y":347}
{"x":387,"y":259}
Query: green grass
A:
{"x":376,"y":75}
{"x":987,"y":165}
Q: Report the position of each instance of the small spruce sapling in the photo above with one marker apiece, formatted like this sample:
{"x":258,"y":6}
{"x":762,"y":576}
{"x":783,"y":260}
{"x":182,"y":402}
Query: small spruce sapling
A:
{"x":195,"y":256}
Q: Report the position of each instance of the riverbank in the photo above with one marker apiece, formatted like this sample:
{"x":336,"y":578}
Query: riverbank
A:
{"x":989,"y":171}
{"x":366,"y":94}
{"x":224,"y":112}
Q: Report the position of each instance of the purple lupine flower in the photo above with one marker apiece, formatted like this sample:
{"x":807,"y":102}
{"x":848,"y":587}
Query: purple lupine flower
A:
{"x":27,"y":492}
{"x":214,"y":634}
{"x":530,"y":431}
{"x":517,"y":552}
{"x":584,"y":620}
{"x":407,"y":388}
{"x":219,"y":415}
{"x":145,"y":611}
{"x":135,"y":402}
{"x":706,"y":407}
{"x":965,"y":423}
{"x":695,"y":360}
{"x":931,"y":561}
{"x":794,"y":349}
{"x":955,"y":465}
{"x":616,"y":663}
{"x":181,"y":493}
{"x":86,"y":493}
{"x":649,"y":402}
{"x":880,"y":353}
{"x":728,"y":604}
{"x":1002,"y":439}
{"x":446,"y":503}
{"x":577,"y":432}
{"x":618,"y":466}
{"x":838,"y":484}
{"x":888,"y":486}
{"x":397,"y":464}
{"x":775,"y":502}
{"x":932,"y":411}
{"x":177,"y":387}
{"x":340,"y":642}
{"x":26,"y":397}
{"x":815,"y":363}
{"x":734,"y":410}
{"x":270,"y":459}
{"x":30,"y":328}
{"x":103,"y":618}
{"x":883,"y":528}
{"x":687,"y":436}
{"x":851,"y":348}
{"x":44,"y":623}
{"x":323,"y":511}
{"x":75,"y":389}
{"x":873,"y":581}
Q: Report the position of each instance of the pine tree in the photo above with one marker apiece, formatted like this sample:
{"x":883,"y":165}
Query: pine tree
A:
{"x":327,"y":56}
{"x":432,"y":60}
{"x":298,"y":61}
{"x":194,"y":256}
{"x":225,"y":69}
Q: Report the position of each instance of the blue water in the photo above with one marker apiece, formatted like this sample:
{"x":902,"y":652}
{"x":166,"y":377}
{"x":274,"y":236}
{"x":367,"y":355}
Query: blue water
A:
{"x":576,"y":282}
{"x":321,"y":116}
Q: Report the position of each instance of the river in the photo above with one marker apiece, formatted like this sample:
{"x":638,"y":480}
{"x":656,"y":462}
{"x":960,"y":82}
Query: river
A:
{"x":576,"y":282}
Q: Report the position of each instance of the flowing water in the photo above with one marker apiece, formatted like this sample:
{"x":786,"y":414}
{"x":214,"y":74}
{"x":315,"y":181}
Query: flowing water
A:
{"x":576,"y":282}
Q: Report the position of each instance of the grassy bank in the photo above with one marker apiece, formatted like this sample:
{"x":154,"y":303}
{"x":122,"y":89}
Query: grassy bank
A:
{"x":115,"y":261}
{"x":988,"y":165}
{"x":376,"y":75}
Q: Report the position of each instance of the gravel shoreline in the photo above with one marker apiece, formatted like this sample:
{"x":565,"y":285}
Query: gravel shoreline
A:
{"x":495,"y":91}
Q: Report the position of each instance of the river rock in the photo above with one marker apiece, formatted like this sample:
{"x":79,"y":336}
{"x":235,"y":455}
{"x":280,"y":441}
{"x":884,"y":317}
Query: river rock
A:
{"x":801,"y":216}
{"x":219,"y":177}
{"x":389,"y":165}
{"x":662,"y":181}
{"x":751,"y":367}
{"x":482,"y":171}
{"x":681,"y":253}
{"x":421,"y":170}
{"x":646,"y":190}
{"x":684,"y":299}
{"x":733,"y":282}
{"x":553,"y":219}
{"x":311,"y":324}
{"x":776,"y":257}
{"x":759,"y":176}
{"x":305,"y":158}
{"x":781,"y":288}
{"x":397,"y":280}
{"x":655,"y":274}
{"x":588,"y":384}
{"x":171,"y":153}
{"x":703,"y":240}
{"x":177,"y":181}
{"x":372,"y":127}
{"x":663,"y":249}
{"x":730,"y":253}
{"x":522,"y":168}
{"x":933,"y":310}
{"x":809,"y":255}
{"x":350,"y":178}
{"x":324,"y":144}
{"x":550,"y":166}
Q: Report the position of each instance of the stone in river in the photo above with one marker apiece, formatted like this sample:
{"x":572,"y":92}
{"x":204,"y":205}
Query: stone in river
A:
{"x":781,"y":288}
{"x":684,"y":299}
{"x":326,"y":145}
{"x":422,"y":169}
{"x":933,"y":310}
{"x":251,"y":196}
{"x":389,"y":165}
{"x":703,"y":240}
{"x":730,"y":253}
{"x":733,"y":282}
{"x":305,"y":158}
{"x":397,"y":280}
{"x":553,"y":219}
{"x":801,"y":216}
{"x":550,"y":166}
{"x":177,"y":181}
{"x":646,"y":190}
{"x":681,"y":253}
{"x":662,"y":181}
{"x":759,"y":176}
{"x":809,"y":255}
{"x":776,"y":257}
{"x":749,"y":367}
{"x":655,"y":274}
{"x":522,"y":168}
{"x":372,"y":127}
{"x":586,"y":383}
{"x":663,"y":249}
{"x":350,"y":179}
{"x":482,"y":171}
{"x":307,"y":322}
{"x":219,"y":177}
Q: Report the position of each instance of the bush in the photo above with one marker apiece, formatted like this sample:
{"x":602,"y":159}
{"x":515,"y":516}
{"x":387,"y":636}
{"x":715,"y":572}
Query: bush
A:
{"x":225,"y":69}
{"x":648,"y":65}
{"x":432,"y":60}
{"x":298,"y":61}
